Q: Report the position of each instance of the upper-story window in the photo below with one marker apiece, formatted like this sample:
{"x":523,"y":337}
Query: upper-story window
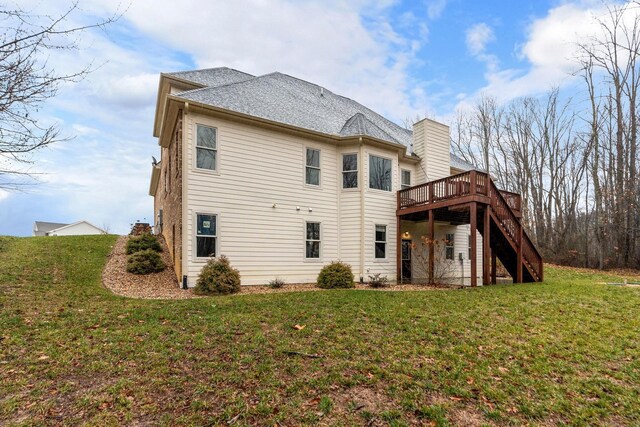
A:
{"x":349,"y":171}
{"x":206,"y":147}
{"x":379,"y":173}
{"x":312,"y":169}
{"x":405,"y":179}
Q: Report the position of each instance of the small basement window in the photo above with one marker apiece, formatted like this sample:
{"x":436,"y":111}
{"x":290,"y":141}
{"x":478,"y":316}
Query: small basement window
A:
{"x":381,"y":241}
{"x":449,"y":247}
{"x":206,"y":235}
{"x":312,"y":250}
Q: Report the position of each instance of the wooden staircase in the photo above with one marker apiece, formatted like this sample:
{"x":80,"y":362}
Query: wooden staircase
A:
{"x":492,"y":212}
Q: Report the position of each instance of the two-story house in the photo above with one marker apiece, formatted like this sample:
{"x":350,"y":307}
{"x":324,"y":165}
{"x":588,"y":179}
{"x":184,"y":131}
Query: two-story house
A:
{"x":284,"y":176}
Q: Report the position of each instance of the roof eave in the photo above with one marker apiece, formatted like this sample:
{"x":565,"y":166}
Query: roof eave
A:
{"x":164,"y":85}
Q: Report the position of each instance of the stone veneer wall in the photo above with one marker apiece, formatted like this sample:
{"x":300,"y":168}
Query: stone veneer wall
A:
{"x":169,"y":197}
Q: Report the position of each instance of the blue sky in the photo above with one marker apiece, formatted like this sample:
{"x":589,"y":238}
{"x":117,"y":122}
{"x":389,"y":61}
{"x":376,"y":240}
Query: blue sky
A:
{"x":403,"y":59}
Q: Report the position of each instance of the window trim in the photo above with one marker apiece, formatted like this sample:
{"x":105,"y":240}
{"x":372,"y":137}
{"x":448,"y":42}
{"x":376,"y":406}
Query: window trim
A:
{"x":386,"y":242}
{"x":304,"y":247}
{"x":369,"y":173}
{"x":195,"y":236}
{"x":196,"y":147}
{"x":402,"y":184}
{"x":305,"y":166}
{"x":452,"y":246}
{"x":357,"y":171}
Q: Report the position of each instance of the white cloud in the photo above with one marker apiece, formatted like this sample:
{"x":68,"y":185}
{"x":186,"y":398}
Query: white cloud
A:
{"x":477,"y":38}
{"x":548,"y":53}
{"x":435,"y":8}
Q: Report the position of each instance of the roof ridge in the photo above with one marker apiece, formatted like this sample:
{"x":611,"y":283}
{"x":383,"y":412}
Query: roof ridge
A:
{"x":209,"y":69}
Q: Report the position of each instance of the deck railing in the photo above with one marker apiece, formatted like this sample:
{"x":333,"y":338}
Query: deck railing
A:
{"x":503,"y":206}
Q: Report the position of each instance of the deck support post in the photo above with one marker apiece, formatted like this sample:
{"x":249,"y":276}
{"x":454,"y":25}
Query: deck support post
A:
{"x":473,"y":213}
{"x":493,"y":267}
{"x":486,"y":248}
{"x":398,"y":250}
{"x":519,"y":255}
{"x":431,"y":232}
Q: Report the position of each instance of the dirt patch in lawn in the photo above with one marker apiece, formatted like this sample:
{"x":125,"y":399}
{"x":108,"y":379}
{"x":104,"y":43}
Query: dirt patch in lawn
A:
{"x":164,"y":285}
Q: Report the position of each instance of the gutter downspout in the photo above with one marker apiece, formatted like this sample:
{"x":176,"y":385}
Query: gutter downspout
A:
{"x":362,"y":216}
{"x":186,"y":144}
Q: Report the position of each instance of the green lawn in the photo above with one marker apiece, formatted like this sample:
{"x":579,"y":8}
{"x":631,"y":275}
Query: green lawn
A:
{"x":562,"y":352}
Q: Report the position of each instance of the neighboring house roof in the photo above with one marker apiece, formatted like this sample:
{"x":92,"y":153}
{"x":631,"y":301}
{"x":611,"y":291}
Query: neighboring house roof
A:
{"x":45,"y":227}
{"x":74,"y":224}
{"x":285,"y":99}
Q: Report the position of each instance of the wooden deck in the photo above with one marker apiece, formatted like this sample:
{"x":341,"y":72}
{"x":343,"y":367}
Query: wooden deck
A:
{"x":495,"y":213}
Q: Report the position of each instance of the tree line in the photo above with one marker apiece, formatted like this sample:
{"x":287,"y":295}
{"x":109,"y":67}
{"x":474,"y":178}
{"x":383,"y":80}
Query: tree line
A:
{"x":574,"y":160}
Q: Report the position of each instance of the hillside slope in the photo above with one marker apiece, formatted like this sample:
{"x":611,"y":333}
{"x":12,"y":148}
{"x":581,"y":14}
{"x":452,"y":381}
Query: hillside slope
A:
{"x":564,"y":351}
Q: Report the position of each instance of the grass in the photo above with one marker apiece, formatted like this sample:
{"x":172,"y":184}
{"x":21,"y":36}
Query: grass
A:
{"x":561,"y":352}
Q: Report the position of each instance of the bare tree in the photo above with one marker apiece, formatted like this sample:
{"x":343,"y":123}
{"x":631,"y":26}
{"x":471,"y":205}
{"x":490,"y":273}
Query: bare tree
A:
{"x":27,"y":81}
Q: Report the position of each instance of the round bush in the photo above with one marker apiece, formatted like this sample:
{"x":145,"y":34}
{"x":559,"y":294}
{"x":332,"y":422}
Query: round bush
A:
{"x":143,"y":242}
{"x":145,"y":262}
{"x":218,"y":278}
{"x":336,"y":275}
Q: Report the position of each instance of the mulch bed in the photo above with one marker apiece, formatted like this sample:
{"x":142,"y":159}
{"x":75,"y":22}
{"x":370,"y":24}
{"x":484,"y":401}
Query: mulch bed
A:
{"x":164,"y":285}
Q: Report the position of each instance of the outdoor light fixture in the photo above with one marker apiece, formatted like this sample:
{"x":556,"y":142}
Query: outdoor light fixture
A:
{"x":297,"y":208}
{"x":406,"y":234}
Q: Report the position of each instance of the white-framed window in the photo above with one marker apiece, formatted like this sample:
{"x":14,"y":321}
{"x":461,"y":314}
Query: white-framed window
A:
{"x":379,"y":173}
{"x":206,"y":147}
{"x":206,"y":235}
{"x":405,"y":179}
{"x":312,"y":240}
{"x":350,"y":170}
{"x":449,"y":248}
{"x":381,"y":242}
{"x":312,"y":167}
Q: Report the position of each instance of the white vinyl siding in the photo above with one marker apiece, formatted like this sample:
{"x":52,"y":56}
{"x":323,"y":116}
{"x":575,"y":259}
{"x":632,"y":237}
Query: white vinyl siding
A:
{"x":262,"y":168}
{"x":206,"y":147}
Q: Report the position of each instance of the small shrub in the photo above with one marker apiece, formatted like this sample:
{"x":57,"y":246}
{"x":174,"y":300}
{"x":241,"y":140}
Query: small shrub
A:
{"x":218,"y":277}
{"x":336,"y":275}
{"x":145,"y":262}
{"x":378,"y":281}
{"x":277,"y":283}
{"x":143,"y":242}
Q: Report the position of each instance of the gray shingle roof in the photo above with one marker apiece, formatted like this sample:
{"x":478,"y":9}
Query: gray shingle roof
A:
{"x":459,"y":163}
{"x":285,"y":99}
{"x":212,"y":77}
